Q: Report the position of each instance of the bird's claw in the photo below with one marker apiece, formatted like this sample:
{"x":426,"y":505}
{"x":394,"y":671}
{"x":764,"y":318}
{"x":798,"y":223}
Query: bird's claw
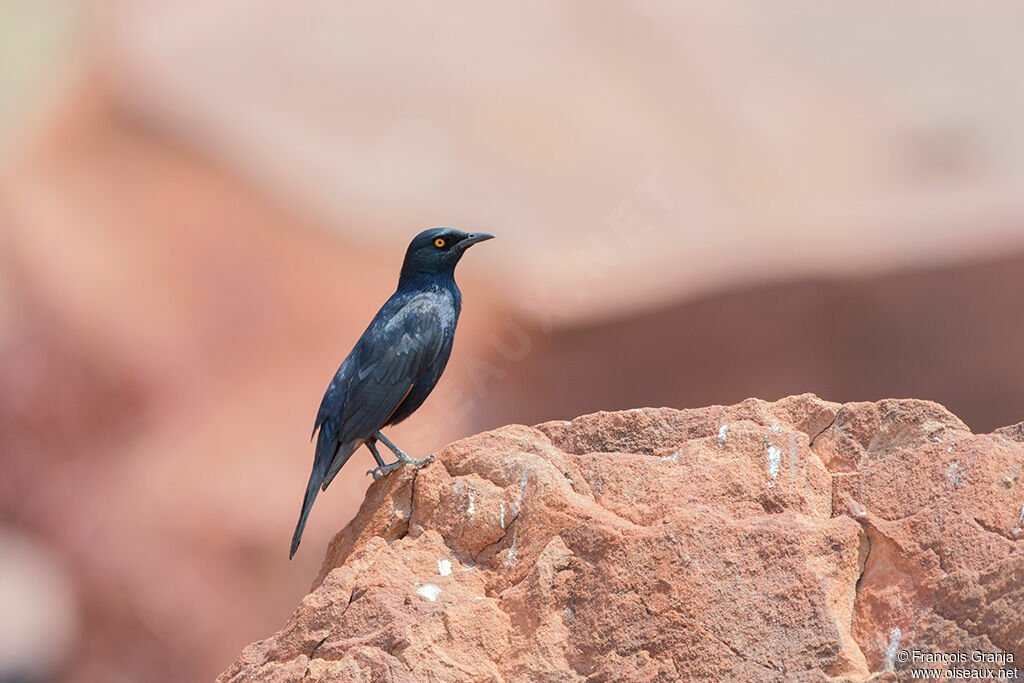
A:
{"x":383,"y":470}
{"x":379,"y":472}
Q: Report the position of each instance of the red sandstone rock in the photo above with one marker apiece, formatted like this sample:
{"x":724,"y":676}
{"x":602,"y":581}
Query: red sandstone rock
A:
{"x":795,"y":540}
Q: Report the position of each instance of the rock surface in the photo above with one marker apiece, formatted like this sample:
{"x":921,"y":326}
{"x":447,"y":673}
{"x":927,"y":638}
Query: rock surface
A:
{"x":794,"y":540}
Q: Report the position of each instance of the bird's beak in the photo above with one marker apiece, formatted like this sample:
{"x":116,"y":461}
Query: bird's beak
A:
{"x":473,"y":238}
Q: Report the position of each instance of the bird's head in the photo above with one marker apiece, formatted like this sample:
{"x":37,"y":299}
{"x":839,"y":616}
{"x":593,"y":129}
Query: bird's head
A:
{"x":436,"y":251}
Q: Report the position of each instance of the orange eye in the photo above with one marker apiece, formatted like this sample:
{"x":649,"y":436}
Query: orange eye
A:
{"x":439,"y":242}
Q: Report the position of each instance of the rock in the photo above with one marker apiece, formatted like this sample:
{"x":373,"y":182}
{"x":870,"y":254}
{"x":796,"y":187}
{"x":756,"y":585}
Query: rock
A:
{"x":795,"y":540}
{"x":859,"y":187}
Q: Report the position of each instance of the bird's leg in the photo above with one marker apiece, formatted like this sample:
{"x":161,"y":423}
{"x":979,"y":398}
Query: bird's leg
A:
{"x":371,"y":443}
{"x":381,"y":468}
{"x":402,"y":457}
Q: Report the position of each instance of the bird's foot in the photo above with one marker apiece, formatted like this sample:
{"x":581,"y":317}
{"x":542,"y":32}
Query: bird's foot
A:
{"x":402,"y":457}
{"x":383,"y":470}
{"x":400,"y":454}
{"x":379,"y":472}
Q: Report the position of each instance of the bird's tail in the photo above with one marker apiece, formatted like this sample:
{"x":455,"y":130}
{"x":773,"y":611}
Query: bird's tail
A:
{"x":312,"y":488}
{"x":326,"y":445}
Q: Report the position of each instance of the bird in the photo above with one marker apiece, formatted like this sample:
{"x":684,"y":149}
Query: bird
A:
{"x":394,"y":366}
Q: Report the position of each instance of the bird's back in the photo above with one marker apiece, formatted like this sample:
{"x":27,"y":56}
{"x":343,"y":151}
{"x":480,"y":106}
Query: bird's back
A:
{"x":403,"y":349}
{"x":432,"y":372}
{"x":387,"y":375}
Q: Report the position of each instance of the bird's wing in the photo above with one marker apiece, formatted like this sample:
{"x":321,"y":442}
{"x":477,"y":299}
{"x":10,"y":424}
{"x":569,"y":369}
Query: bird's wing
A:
{"x":369,"y":386}
{"x":389,"y":364}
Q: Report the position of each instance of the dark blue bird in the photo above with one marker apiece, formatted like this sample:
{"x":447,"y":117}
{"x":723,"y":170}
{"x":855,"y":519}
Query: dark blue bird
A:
{"x":395,"y":364}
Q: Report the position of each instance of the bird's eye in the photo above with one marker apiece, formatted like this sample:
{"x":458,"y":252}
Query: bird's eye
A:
{"x":439,"y":243}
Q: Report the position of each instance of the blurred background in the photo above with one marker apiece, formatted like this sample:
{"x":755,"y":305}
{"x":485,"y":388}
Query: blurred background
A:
{"x":203,"y":203}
